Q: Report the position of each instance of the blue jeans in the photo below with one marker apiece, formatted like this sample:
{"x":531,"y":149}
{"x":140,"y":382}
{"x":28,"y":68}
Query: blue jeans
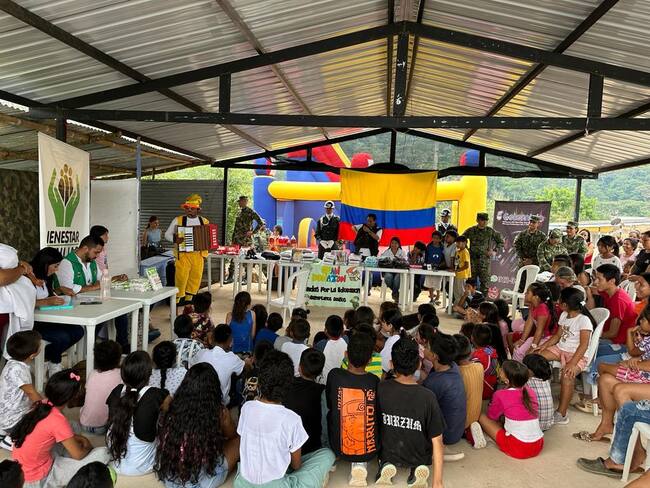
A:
{"x":392,"y":281}
{"x":61,"y":337}
{"x":627,"y":415}
{"x":607,"y":353}
{"x":205,"y":480}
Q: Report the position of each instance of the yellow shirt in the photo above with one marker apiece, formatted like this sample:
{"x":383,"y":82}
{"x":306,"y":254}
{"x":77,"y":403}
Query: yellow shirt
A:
{"x":462,"y":258}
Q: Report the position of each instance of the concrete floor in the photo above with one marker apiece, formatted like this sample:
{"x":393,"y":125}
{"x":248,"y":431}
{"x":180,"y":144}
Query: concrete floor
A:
{"x":486,"y":468}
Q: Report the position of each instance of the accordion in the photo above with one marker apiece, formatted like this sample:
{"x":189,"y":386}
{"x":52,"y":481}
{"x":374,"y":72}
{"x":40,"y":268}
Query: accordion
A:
{"x":198,"y":238}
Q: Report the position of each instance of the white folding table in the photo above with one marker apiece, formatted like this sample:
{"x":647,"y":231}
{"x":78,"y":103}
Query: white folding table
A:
{"x":220,"y":257}
{"x":148,"y":299}
{"x":89,"y":317}
{"x":447,"y":276}
{"x":403,"y":282}
{"x":248,"y":264}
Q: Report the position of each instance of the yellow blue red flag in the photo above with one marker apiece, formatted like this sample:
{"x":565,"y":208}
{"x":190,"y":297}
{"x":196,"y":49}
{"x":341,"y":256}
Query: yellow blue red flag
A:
{"x":405,"y":204}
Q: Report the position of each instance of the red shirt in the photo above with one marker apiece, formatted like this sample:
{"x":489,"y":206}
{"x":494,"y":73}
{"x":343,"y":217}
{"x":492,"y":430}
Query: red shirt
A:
{"x":488,"y":358}
{"x":621,"y":307}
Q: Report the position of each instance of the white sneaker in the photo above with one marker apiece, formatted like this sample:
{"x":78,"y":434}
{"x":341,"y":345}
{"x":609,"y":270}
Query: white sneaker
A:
{"x":451,"y":456}
{"x":358,"y":474}
{"x":53,"y":368}
{"x":478,"y":435}
{"x":419,"y":478}
{"x":559,"y":419}
{"x":6,"y":443}
{"x":386,"y":474}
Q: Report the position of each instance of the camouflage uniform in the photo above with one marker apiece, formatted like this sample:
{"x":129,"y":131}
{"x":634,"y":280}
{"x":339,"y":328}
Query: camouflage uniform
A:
{"x":244,"y":224}
{"x":526,"y":245}
{"x":575,"y":245}
{"x":481,"y":241}
{"x":546,"y":252}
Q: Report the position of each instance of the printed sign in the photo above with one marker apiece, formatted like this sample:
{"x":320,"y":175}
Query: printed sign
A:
{"x":64,"y":194}
{"x":511,"y":218}
{"x":333,"y":286}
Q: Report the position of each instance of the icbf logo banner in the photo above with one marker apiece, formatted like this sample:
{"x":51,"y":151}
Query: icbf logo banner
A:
{"x":64,"y":194}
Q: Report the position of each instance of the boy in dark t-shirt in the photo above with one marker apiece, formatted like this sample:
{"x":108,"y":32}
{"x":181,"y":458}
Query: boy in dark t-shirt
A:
{"x":304,"y":397}
{"x":411,"y":431}
{"x":351,"y":396}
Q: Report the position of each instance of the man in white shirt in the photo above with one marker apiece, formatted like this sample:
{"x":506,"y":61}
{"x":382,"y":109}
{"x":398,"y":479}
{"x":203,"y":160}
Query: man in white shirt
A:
{"x":79,"y":272}
{"x":222,"y":359}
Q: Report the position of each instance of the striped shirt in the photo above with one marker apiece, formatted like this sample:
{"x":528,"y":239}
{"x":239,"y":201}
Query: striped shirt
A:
{"x":374,"y":366}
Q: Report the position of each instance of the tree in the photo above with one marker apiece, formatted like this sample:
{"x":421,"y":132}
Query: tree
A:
{"x":562,"y":203}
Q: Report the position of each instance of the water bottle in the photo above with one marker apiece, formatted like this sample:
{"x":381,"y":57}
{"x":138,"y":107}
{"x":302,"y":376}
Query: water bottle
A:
{"x":105,"y":286}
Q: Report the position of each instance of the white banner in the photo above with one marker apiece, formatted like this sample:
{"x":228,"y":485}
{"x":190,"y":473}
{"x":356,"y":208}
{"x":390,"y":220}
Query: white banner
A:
{"x":64,"y":194}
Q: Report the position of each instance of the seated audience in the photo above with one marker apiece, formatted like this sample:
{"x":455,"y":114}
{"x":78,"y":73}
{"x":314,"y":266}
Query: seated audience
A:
{"x":472,"y":374}
{"x":44,"y":443}
{"x":607,"y":254}
{"x":642,"y":263}
{"x":93,"y":416}
{"x":390,"y":324}
{"x":469,"y":300}
{"x":540,"y":374}
{"x":93,"y":475}
{"x":540,"y":324}
{"x":333,"y":346}
{"x":197,"y":440}
{"x":300,"y":332}
{"x":411,"y":432}
{"x":487,"y":356}
{"x":199,"y":311}
{"x":186,"y":347}
{"x":304,"y":397}
{"x":166,"y":375}
{"x":520,"y":436}
{"x":11,"y":474}
{"x":374,"y":365}
{"x":269,"y":332}
{"x":281,"y":439}
{"x":243,"y":323}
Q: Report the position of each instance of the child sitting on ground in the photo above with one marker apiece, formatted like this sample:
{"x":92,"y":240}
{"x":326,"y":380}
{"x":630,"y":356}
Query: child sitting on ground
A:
{"x":411,"y":431}
{"x":300,"y":331}
{"x":186,"y":347}
{"x":348,"y":321}
{"x":446,"y":382}
{"x":17,"y":393}
{"x":45,"y":427}
{"x":304,"y":397}
{"x":521,"y":436}
{"x":166,"y":375}
{"x":11,"y":474}
{"x":243,"y":323}
{"x":390,"y":326}
{"x":374,"y":366}
{"x":269,"y":333}
{"x":485,"y":354}
{"x":540,"y":382}
{"x":333,"y":347}
{"x":281,"y":439}
{"x":351,"y":397}
{"x":93,"y":416}
{"x":469,"y":300}
{"x":199,"y":311}
{"x":93,"y":475}
{"x":250,"y":378}
{"x":569,"y":346}
{"x":472,"y":374}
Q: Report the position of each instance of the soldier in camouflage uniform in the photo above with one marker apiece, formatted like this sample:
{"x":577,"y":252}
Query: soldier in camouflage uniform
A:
{"x":550,"y":248}
{"x":574,"y":243}
{"x":527,"y":242}
{"x":484,"y":242}
{"x":242,"y":234}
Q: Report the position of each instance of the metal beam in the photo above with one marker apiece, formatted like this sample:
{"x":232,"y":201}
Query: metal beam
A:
{"x":61,"y":129}
{"x":629,"y":164}
{"x":416,"y":47}
{"x":389,"y":57}
{"x":401,"y":72}
{"x":243,"y":27}
{"x":595,"y":97}
{"x":224,"y":93}
{"x":393,"y":147}
{"x":446,"y":122}
{"x":24,"y":15}
{"x":246,"y":64}
{"x":576,"y":204}
{"x":531,"y":54}
{"x":635,"y":112}
{"x":604,"y":7}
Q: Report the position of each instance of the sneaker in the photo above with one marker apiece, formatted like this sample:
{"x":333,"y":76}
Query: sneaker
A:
{"x":358,"y":474}
{"x":385,"y":474}
{"x":419,"y":477}
{"x":153,"y":334}
{"x":478,"y":436}
{"x":451,"y":456}
{"x":6,"y":443}
{"x":53,"y":368}
{"x":559,"y":419}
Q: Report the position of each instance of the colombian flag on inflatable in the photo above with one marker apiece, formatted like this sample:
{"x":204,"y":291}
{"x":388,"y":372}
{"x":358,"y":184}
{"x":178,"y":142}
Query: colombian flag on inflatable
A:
{"x":405,"y":204}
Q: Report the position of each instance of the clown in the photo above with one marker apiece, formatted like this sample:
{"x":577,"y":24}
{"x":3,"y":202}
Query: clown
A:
{"x":189,"y":265}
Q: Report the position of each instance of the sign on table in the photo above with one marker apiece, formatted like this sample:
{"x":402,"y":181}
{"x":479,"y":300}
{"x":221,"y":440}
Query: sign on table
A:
{"x":333,"y":286}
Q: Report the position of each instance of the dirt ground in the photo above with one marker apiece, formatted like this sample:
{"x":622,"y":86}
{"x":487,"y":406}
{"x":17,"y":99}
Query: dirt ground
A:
{"x":485,"y":468}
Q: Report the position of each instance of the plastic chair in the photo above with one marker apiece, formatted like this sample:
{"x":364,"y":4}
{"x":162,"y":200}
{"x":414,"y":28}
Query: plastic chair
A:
{"x":287,"y":302}
{"x":639,"y":429}
{"x":517,"y":298}
{"x":629,"y":288}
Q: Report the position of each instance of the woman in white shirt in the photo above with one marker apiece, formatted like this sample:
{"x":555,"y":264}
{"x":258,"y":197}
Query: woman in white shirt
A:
{"x":60,"y":337}
{"x":393,"y":253}
{"x":607,"y":254}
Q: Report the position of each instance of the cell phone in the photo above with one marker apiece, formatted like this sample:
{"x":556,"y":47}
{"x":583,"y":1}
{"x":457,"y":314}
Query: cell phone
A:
{"x":90,"y":303}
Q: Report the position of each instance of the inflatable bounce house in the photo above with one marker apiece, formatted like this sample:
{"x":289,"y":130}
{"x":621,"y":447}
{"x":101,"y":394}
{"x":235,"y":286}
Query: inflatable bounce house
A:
{"x":297,"y":203}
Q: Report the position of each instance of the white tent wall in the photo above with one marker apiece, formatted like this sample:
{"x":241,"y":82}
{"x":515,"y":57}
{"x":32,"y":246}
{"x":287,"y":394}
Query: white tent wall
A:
{"x":114,"y":204}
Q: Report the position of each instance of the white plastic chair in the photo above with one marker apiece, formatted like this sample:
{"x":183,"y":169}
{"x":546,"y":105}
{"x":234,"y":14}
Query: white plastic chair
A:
{"x":639,"y":429}
{"x":629,"y":288}
{"x":517,"y":298}
{"x":286,"y":302}
{"x":600,"y":315}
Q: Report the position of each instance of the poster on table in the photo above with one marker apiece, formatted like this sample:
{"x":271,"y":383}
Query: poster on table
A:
{"x":64,"y":194}
{"x":333,"y":286}
{"x":511,"y":218}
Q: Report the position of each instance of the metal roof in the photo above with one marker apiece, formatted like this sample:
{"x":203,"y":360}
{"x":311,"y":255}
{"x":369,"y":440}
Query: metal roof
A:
{"x":53,"y":51}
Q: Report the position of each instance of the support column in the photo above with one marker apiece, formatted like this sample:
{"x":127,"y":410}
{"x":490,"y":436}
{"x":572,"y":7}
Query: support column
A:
{"x":61,"y":129}
{"x":576,"y":207}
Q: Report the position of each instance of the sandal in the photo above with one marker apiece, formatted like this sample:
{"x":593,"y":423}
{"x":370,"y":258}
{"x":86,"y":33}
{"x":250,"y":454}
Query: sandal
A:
{"x":597,"y":466}
{"x":585,"y":436}
{"x":587,"y":406}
